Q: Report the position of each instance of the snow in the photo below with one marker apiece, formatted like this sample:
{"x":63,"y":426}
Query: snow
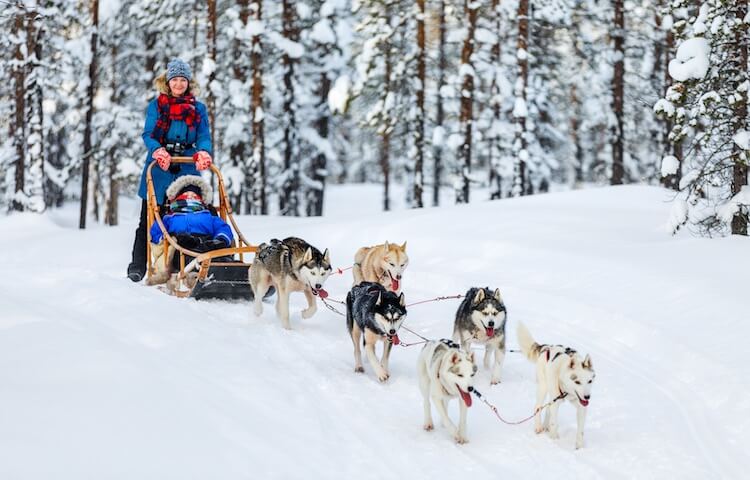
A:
{"x":322,"y":32}
{"x":742,"y":139}
{"x":519,"y":108}
{"x":691,"y":60}
{"x":669,"y":165}
{"x":103,"y":378}
{"x":338,"y":96}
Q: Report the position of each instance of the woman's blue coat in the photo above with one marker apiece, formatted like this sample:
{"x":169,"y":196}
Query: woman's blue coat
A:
{"x":178,"y":133}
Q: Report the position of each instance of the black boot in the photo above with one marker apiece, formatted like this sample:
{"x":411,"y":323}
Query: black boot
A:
{"x":137,"y":267}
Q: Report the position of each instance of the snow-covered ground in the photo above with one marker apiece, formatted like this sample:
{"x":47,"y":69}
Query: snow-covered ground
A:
{"x":103,"y":378}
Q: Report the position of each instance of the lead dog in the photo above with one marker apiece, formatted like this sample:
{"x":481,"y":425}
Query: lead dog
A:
{"x":290,"y":265}
{"x":560,"y":374}
{"x":481,"y":319}
{"x":383,"y":264}
{"x":376,"y":313}
{"x":446,"y":372}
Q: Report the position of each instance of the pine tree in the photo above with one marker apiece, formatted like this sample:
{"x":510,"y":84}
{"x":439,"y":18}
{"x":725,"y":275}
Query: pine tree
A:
{"x":708,"y":105}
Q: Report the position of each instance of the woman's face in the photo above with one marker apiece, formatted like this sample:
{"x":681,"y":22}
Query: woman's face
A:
{"x":178,"y":86}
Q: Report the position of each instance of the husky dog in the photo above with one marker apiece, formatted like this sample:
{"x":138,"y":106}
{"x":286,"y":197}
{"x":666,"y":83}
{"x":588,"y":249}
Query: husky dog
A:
{"x":560,"y":372}
{"x":290,"y":265}
{"x":377,"y":313}
{"x":481,"y":319}
{"x":383,"y":264}
{"x":445,"y":371}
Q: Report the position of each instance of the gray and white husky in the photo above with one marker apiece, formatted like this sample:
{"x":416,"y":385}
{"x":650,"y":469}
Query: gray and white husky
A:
{"x":445,"y":372}
{"x":377,"y":314}
{"x":560,"y":373}
{"x":289,"y":265}
{"x":481,"y":319}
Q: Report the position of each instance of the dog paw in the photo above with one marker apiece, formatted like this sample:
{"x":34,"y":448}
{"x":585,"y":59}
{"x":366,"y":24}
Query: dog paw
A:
{"x":494,"y":381}
{"x":579,"y":444}
{"x":308,"y":312}
{"x":428,"y":427}
{"x":359,"y":369}
{"x":460,"y":439}
{"x":538,"y":430}
{"x":258,"y":311}
{"x":383,"y":377}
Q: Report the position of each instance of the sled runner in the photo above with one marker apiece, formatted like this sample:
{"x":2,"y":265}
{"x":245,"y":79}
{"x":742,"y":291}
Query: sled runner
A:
{"x":222,"y":273}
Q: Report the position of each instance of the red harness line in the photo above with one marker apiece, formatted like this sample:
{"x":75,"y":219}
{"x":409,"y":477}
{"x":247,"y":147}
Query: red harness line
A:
{"x":523,"y":420}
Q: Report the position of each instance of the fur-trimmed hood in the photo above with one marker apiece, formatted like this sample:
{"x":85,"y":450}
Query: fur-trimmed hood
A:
{"x":184,"y":181}
{"x":161,"y":85}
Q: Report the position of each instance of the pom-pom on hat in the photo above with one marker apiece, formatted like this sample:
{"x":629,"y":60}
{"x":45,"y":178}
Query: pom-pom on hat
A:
{"x":178,"y":68}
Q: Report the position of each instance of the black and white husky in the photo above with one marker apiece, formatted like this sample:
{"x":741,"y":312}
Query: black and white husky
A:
{"x":378,"y":314}
{"x":445,"y":372}
{"x":561,"y":374}
{"x":481,"y":319}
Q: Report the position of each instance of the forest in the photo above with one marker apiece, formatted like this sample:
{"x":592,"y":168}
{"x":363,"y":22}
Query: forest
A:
{"x":483,"y":99}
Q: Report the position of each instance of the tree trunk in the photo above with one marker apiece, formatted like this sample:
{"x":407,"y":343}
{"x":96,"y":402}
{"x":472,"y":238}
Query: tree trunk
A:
{"x":385,"y":137}
{"x":315,"y":196}
{"x":618,"y":87}
{"x":19,"y":134}
{"x":496,"y":181}
{"x":289,"y":199}
{"x":237,"y":150}
{"x":87,"y":151}
{"x":210,"y":97}
{"x":519,"y":118}
{"x":675,"y":148}
{"x":257,"y":203}
{"x":739,"y":167}
{"x":466,"y":117}
{"x":442,"y":66}
{"x":111,"y":211}
{"x":421,"y":112}
{"x":575,"y":134}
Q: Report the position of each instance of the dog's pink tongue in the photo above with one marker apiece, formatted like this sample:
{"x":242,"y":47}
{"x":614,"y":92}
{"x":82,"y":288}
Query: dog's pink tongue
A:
{"x":322,"y":293}
{"x":394,"y":284}
{"x":585,"y":403}
{"x":395,"y":339}
{"x":465,"y":396}
{"x":490,"y":331}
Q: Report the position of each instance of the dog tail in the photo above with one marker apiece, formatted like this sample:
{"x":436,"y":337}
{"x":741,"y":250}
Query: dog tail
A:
{"x":529,"y":347}
{"x":349,"y":314}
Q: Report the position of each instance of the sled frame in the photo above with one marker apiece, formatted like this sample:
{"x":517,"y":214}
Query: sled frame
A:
{"x":239,"y":246}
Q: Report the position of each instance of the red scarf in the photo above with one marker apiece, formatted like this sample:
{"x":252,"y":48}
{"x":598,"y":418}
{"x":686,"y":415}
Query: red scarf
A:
{"x":174,"y":108}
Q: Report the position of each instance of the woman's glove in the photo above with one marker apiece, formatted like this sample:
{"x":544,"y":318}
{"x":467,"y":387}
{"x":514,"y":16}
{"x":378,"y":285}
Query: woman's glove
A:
{"x":162,"y":157}
{"x":202,"y":160}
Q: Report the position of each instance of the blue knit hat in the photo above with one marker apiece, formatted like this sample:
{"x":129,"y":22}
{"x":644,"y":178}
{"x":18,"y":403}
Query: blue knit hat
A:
{"x":178,"y":68}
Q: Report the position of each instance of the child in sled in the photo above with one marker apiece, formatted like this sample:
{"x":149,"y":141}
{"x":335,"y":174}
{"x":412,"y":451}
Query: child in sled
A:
{"x":191,"y":222}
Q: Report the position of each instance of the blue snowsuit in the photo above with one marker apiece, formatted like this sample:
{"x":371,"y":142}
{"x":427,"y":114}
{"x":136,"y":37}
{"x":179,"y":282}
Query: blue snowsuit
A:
{"x":178,"y":133}
{"x":194,"y":223}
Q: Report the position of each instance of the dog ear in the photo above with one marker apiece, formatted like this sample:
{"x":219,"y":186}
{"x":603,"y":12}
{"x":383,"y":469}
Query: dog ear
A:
{"x":572,"y":363}
{"x":385,"y":246}
{"x":308,"y":255}
{"x":326,"y":256}
{"x":403,"y":247}
{"x":479,"y":296}
{"x":402,"y":300}
{"x":380,"y":299}
{"x":497,"y":295}
{"x":587,"y":363}
{"x":455,"y":358}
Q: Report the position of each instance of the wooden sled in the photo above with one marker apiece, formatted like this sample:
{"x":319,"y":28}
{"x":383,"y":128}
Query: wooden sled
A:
{"x":207,"y":277}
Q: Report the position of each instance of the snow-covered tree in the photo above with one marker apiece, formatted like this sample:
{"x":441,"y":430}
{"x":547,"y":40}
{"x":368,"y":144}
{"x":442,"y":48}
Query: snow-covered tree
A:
{"x":708,"y":105}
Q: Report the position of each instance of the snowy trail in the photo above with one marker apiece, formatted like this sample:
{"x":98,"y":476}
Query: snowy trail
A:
{"x":101,"y":376}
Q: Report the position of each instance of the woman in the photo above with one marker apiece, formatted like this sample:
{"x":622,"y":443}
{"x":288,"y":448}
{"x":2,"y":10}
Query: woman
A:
{"x":176,"y":124}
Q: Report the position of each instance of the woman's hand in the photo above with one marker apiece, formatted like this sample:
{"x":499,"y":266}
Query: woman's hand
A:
{"x":202,"y":160}
{"x":162,"y":157}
